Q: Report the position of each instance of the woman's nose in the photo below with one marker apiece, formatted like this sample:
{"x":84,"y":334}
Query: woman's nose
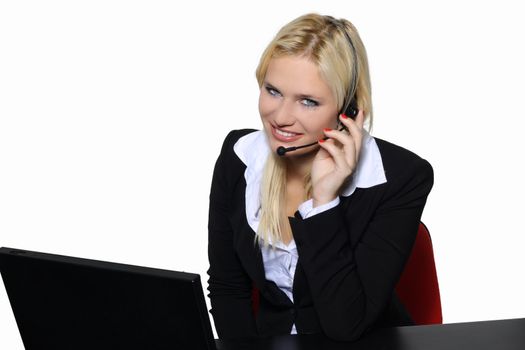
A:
{"x":284,"y":114}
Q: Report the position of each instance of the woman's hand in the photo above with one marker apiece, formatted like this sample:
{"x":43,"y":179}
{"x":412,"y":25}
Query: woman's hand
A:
{"x":336,"y":160}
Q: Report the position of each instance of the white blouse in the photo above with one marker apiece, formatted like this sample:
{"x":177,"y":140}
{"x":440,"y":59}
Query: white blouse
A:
{"x":279,"y":259}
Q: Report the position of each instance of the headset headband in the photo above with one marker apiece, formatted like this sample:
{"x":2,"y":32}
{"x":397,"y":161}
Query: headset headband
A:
{"x":353,"y":84}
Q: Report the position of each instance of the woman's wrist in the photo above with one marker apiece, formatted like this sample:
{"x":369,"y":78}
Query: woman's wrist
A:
{"x":307,"y":210}
{"x":317,"y":202}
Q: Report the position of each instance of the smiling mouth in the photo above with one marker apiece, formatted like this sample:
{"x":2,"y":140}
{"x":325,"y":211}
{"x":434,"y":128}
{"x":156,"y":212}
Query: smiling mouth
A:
{"x":285,"y":136}
{"x":285,"y":133}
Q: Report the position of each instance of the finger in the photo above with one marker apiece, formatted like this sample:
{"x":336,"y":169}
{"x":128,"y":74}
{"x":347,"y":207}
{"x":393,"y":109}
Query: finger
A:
{"x":357,"y":136}
{"x":322,"y":154}
{"x":360,"y":118}
{"x":350,"y":140}
{"x":349,"y":145}
{"x":355,"y":130}
{"x":337,"y":155}
{"x":343,"y":138}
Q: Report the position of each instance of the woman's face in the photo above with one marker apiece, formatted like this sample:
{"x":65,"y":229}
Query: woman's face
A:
{"x":295,"y":104}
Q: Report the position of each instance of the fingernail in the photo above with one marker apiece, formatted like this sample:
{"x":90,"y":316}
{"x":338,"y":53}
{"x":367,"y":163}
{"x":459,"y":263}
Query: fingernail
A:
{"x":344,"y":116}
{"x":327,"y":129}
{"x":322,"y":140}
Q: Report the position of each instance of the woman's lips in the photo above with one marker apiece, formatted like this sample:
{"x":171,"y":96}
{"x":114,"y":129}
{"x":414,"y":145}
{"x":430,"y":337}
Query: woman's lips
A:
{"x":285,"y":136}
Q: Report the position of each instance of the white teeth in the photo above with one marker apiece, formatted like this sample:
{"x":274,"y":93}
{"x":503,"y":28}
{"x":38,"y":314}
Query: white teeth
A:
{"x":284,"y":133}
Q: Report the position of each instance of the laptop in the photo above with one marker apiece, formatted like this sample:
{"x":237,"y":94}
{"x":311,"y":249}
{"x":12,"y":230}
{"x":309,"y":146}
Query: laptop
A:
{"x":62,"y":302}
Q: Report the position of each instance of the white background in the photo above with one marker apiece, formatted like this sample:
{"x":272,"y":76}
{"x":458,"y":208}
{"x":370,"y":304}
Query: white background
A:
{"x":112,"y":114}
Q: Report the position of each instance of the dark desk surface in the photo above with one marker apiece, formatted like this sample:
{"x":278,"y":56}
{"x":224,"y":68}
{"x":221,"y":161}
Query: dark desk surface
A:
{"x":493,"y":335}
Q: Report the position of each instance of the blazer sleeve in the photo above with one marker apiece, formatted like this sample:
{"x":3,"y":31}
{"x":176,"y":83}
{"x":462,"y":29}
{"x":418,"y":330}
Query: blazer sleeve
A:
{"x":229,"y":286}
{"x":352,"y":286}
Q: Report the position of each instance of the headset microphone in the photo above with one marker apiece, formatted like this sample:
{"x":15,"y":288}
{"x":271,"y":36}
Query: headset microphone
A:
{"x":282,"y":150}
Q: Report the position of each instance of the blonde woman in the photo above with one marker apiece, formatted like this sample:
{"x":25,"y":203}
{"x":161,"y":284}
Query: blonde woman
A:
{"x":322,"y":232}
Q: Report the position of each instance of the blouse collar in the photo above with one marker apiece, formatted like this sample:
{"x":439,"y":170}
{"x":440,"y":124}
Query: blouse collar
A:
{"x":253,"y":150}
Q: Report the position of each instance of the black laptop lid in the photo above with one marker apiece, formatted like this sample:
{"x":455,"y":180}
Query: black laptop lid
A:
{"x":63,"y":302}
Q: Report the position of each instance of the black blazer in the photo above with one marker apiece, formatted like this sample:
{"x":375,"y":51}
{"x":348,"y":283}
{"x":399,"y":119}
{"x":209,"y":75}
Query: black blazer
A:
{"x":350,"y":257}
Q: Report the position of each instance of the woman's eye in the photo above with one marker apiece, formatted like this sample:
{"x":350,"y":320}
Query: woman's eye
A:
{"x":309,"y":103}
{"x":272,"y":91}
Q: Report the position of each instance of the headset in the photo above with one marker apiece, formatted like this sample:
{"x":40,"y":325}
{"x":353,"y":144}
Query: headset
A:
{"x":350,"y":104}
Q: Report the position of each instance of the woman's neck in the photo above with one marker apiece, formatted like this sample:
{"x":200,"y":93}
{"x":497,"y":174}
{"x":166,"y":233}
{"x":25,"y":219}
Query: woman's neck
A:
{"x":299,"y":167}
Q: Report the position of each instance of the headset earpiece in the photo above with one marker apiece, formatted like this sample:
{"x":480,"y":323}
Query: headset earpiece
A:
{"x":352,"y":110}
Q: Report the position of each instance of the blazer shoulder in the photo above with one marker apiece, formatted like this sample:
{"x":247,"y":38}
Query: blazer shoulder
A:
{"x":229,"y":166}
{"x":400,"y":162}
{"x":232,"y":137}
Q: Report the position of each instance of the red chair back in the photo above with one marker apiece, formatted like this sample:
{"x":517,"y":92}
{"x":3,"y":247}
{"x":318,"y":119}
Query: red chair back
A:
{"x":418,"y":287}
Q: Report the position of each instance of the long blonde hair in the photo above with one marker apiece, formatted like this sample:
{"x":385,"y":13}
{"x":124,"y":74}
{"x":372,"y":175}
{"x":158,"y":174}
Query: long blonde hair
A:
{"x":322,"y":40}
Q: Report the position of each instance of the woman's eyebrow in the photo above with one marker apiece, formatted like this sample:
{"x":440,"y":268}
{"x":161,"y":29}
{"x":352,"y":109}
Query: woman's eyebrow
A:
{"x":308,"y":97}
{"x":300,"y":96}
{"x":267,"y":84}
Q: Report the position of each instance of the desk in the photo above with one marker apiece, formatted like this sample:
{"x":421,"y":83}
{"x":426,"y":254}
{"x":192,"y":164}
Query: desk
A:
{"x":493,"y":335}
